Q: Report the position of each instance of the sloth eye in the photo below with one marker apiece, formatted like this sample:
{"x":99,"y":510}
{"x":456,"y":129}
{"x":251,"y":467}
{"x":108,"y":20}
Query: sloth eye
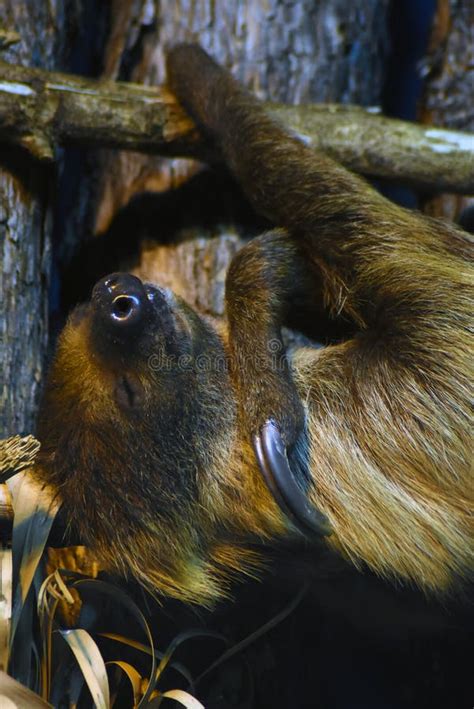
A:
{"x":129,"y":393}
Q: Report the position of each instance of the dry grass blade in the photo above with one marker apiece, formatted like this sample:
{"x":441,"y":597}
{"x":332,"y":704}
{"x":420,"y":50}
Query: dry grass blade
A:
{"x":178,"y":695}
{"x":13,"y":694}
{"x":34,"y":516}
{"x":6,"y":581}
{"x":130,"y":642}
{"x":176,"y":642}
{"x":278,"y":618}
{"x":118,"y":595}
{"x":91,"y":663}
{"x":133,"y":675}
{"x":52,"y":590}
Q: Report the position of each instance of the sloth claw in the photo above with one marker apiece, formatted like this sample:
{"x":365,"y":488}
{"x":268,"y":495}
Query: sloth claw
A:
{"x":272,"y":459}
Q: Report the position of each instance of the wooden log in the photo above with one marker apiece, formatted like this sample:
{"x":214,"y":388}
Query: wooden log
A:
{"x":40,"y":109}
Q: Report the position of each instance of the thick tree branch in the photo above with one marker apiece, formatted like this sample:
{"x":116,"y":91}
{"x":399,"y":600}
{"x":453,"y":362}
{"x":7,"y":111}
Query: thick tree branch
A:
{"x":40,"y":109}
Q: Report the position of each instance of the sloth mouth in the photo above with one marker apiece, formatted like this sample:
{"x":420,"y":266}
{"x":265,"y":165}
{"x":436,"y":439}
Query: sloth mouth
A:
{"x":129,"y":392}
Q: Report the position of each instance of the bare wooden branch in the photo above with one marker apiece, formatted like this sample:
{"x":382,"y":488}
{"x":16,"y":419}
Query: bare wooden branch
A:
{"x":433,"y":159}
{"x":40,"y":109}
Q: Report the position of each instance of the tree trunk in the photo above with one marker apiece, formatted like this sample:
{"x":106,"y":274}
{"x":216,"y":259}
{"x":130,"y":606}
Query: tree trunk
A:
{"x":41,"y":34}
{"x":447,"y":99}
{"x":25,"y":233}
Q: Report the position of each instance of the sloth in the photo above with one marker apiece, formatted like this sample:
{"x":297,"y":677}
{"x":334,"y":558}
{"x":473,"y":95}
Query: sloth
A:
{"x":183,"y":452}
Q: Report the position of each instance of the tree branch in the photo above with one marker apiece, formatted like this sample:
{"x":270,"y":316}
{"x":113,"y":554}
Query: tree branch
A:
{"x":39,"y":110}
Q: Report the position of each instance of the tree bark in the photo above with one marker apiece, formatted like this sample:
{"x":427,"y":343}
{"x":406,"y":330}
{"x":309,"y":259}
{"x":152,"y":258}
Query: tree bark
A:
{"x":25,"y":232}
{"x":447,"y":99}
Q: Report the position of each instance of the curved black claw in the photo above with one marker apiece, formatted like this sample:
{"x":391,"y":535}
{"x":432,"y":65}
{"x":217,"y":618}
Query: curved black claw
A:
{"x":273,"y":462}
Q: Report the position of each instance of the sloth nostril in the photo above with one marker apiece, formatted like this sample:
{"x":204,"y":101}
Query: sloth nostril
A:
{"x":120,"y":302}
{"x":124,"y":306}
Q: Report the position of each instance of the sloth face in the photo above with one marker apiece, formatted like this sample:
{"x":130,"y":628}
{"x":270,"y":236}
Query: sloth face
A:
{"x":134,"y":351}
{"x":136,"y":334}
{"x":136,"y":397}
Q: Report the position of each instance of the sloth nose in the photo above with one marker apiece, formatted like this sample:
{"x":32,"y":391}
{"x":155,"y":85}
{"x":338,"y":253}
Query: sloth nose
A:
{"x":120,"y":300}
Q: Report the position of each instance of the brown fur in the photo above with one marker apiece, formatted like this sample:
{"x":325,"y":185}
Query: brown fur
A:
{"x":169,"y":490}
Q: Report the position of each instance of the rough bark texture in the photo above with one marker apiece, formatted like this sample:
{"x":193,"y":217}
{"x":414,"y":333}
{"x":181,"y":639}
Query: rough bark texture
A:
{"x":448,"y":98}
{"x":284,"y":51}
{"x":40,"y":110}
{"x":25,"y":232}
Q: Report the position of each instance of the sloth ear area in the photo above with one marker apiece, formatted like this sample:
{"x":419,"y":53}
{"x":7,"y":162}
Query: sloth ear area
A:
{"x":129,"y":393}
{"x":272,"y":460}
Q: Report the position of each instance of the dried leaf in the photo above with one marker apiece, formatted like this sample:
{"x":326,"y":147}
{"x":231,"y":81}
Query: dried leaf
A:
{"x":134,"y":677}
{"x":34,"y":516}
{"x":187,"y":700}
{"x":176,"y":642}
{"x":118,"y":595}
{"x":91,"y":663}
{"x":15,"y":695}
{"x":6,"y":580}
{"x":130,"y":642}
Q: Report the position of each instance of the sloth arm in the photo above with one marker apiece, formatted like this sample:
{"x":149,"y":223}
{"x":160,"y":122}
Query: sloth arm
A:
{"x":388,"y":409}
{"x":402,"y":280}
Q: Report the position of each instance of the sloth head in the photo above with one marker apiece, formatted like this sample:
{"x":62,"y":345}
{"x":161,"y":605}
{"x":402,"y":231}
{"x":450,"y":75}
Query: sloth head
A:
{"x":135,"y":405}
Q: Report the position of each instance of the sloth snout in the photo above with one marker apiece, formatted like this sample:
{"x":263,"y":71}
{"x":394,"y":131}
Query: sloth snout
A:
{"x":121,"y":302}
